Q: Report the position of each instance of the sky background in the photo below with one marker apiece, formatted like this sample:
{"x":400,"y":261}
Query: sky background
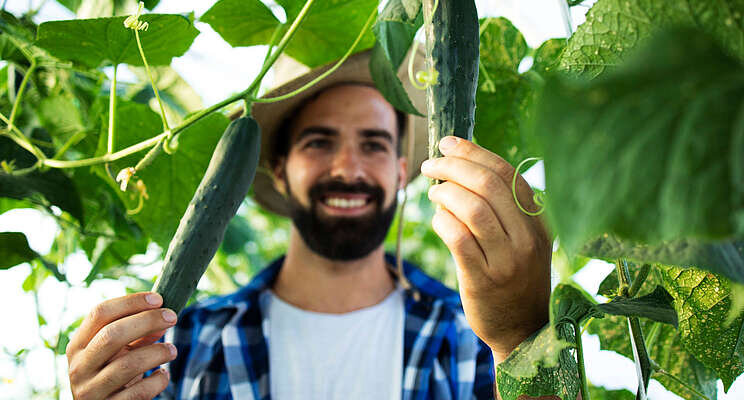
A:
{"x":207,"y":69}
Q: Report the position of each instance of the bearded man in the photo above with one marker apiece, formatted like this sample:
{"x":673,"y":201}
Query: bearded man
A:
{"x":333,"y":318}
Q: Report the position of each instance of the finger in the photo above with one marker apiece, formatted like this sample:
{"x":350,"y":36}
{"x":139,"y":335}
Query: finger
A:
{"x":467,"y":253}
{"x":484,"y":182}
{"x":147,"y":388}
{"x":468,"y":150}
{"x":109,"y":311}
{"x":476,"y":214}
{"x":116,"y":335}
{"x":147,"y":340}
{"x":126,"y":368}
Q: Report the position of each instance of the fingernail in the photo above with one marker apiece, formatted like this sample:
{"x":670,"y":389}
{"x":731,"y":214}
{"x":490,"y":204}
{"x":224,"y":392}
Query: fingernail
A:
{"x":169,"y":316}
{"x":447,"y":143}
{"x":153,"y":299}
{"x":172,"y":349}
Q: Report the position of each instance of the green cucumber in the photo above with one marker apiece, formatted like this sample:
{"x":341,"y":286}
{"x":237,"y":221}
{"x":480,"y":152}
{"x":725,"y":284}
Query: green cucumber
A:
{"x":216,"y":200}
{"x":452,"y":43}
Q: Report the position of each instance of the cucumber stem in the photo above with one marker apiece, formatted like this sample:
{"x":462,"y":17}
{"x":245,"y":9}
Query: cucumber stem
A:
{"x":152,"y":81}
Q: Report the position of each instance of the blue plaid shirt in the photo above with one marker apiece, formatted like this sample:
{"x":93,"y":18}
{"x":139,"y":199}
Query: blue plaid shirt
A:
{"x":222,"y":350}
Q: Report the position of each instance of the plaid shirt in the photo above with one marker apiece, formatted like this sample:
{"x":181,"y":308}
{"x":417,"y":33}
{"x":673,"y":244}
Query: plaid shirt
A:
{"x":222,"y":350}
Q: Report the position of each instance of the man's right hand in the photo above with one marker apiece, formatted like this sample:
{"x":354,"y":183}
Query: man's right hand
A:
{"x":115,"y":345}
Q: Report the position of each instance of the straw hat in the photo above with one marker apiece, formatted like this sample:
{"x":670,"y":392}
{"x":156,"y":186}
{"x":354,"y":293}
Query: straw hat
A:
{"x":291,"y":75}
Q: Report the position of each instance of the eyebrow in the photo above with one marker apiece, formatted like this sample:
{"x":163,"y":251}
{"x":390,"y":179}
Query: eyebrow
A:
{"x":326,"y":131}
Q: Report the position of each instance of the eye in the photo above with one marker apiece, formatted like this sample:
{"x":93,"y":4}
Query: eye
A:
{"x":317,"y":143}
{"x":374,"y":146}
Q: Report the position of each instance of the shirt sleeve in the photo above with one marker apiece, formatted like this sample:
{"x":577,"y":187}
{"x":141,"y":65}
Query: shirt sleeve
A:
{"x":484,"y":373}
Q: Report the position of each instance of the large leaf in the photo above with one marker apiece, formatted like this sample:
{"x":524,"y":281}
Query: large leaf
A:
{"x":386,"y":80}
{"x":613,"y":27}
{"x":326,"y":33}
{"x":242,"y":22}
{"x":14,"y":249}
{"x":703,"y":301}
{"x":171,"y":179}
{"x":395,"y":30}
{"x":725,"y":258}
{"x":105,"y":41}
{"x":505,"y":97}
{"x":601,"y":393}
{"x":646,"y":152}
{"x":52,"y":185}
{"x":104,"y":8}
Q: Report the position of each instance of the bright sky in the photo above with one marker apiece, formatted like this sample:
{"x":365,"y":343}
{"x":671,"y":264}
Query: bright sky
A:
{"x":204,"y":68}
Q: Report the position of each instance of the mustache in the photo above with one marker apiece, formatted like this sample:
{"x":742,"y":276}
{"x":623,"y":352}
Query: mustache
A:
{"x":320,"y":189}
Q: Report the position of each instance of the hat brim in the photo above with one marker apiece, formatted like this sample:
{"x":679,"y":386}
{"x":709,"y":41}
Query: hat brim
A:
{"x":354,"y":70}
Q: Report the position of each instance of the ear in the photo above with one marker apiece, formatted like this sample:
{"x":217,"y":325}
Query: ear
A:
{"x":280,"y":170}
{"x":403,"y":175}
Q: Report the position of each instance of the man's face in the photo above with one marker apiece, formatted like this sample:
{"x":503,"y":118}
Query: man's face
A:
{"x":342,"y":171}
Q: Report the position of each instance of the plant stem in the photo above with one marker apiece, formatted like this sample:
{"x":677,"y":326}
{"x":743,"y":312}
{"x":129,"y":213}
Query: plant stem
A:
{"x":623,"y":277}
{"x":639,"y":280}
{"x":640,"y":353}
{"x":112,"y":113}
{"x":566,"y":15}
{"x":105,"y":158}
{"x":322,"y":76}
{"x":586,"y":325}
{"x":681,"y":382}
{"x":19,"y":95}
{"x":580,"y":359}
{"x":152,"y":81}
{"x":17,"y":136}
{"x":69,"y":143}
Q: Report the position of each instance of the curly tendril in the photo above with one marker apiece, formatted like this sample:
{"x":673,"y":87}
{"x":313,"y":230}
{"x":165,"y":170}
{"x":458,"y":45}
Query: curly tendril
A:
{"x":538,"y":198}
{"x":133,"y":22}
{"x":423,"y":79}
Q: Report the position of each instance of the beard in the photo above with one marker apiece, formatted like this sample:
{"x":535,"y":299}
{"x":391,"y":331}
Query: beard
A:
{"x":341,"y":238}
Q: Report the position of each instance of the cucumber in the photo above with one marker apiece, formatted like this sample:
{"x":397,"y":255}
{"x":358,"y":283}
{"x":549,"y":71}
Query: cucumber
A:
{"x":452,"y":43}
{"x":223,"y":187}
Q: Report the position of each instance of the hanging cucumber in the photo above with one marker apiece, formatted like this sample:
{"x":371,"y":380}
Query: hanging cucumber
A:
{"x":216,"y":200}
{"x":452,"y":42}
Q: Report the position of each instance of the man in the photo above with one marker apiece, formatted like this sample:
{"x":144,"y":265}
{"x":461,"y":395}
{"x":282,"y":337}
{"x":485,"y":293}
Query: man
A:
{"x":332,"y":319}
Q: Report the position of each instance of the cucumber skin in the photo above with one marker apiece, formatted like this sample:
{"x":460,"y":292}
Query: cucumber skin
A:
{"x":452,"y":48}
{"x":222,"y":189}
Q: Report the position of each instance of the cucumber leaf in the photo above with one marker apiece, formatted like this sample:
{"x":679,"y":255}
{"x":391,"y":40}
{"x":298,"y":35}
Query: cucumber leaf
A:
{"x":725,"y":257}
{"x":326,"y":33}
{"x":702,"y":301}
{"x":646,"y":151}
{"x":14,"y":249}
{"x":106,"y":41}
{"x":613,"y":27}
{"x":602,"y":393}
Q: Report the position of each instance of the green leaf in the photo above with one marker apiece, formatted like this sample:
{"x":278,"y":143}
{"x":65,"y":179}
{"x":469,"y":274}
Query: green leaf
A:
{"x":601,"y":393}
{"x":546,"y":59}
{"x":105,"y":41}
{"x":644,"y":152}
{"x":326,"y":33}
{"x":504,"y":97}
{"x":725,"y":258}
{"x":665,"y":348}
{"x":396,"y":27}
{"x":539,"y":366}
{"x":177,"y":95}
{"x":566,"y":266}
{"x":239,"y":232}
{"x":242,"y":22}
{"x":613,"y":27}
{"x":656,"y":306}
{"x":171,"y":179}
{"x":53,"y":185}
{"x":386,"y":80}
{"x":702,"y":301}
{"x":105,"y":8}
{"x":14,"y":249}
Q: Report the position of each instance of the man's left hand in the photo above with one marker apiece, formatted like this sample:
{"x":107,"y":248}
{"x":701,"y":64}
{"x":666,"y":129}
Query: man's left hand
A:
{"x":502,"y":254}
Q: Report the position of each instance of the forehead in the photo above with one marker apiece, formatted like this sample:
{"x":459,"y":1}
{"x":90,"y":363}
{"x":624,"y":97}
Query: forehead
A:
{"x":347,"y":106}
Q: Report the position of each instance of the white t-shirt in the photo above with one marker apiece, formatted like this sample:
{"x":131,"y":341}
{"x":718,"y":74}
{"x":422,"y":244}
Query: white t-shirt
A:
{"x":356,"y":355}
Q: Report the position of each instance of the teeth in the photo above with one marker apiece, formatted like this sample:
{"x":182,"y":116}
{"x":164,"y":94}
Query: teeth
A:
{"x":345,"y":203}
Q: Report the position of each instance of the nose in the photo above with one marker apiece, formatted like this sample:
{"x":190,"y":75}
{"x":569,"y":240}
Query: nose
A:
{"x":347,"y":164}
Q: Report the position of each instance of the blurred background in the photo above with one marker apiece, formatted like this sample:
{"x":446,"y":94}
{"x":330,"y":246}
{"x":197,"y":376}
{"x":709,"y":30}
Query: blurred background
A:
{"x":41,"y":313}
